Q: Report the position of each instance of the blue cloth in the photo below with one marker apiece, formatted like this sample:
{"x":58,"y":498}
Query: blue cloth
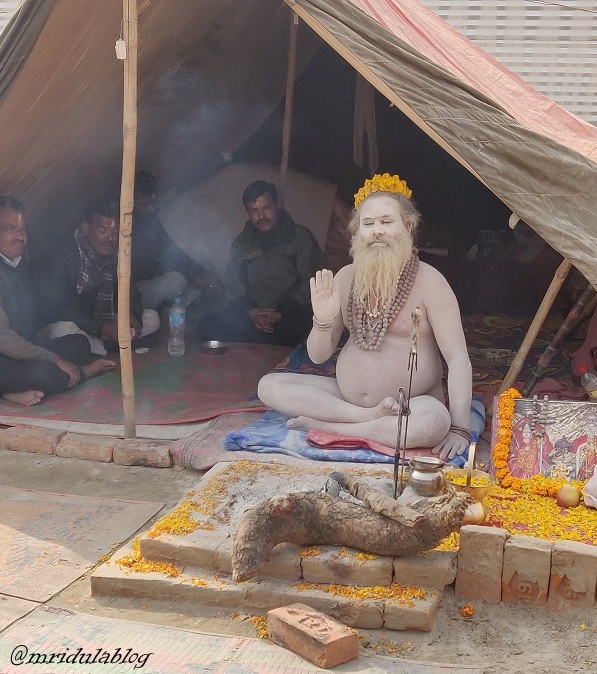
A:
{"x":269,"y":435}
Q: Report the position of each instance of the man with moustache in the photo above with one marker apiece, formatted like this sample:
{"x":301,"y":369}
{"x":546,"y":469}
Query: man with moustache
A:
{"x":374,"y":299}
{"x":32,"y":367}
{"x":79,"y":285}
{"x":267,"y":277}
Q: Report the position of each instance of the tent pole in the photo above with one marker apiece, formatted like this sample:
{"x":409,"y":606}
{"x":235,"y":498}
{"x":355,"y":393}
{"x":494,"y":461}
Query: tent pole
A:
{"x":129,"y":149}
{"x":287,"y":129}
{"x":546,"y":304}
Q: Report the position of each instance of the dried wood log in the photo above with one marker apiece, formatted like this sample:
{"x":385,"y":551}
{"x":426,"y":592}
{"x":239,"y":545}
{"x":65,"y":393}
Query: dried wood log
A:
{"x":316,"y":518}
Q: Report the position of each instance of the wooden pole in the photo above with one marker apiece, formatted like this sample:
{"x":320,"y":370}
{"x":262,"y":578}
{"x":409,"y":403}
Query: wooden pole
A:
{"x":546,"y":304}
{"x":287,"y":129}
{"x":129,"y":150}
{"x":564,"y":330}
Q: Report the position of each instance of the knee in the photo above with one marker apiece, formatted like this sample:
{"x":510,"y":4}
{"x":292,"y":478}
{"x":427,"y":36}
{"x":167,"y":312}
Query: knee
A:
{"x":435,"y":421}
{"x":62,"y":328}
{"x":174,"y":283}
{"x":151,"y":321}
{"x":47,"y":377}
{"x":267,"y":389}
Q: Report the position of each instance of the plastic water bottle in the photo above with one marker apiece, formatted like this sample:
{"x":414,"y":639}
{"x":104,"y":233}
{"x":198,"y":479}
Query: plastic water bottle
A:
{"x":177,"y":317}
{"x":588,"y":381}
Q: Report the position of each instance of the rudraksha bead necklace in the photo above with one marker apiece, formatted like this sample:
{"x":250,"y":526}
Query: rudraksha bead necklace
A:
{"x":372,"y":325}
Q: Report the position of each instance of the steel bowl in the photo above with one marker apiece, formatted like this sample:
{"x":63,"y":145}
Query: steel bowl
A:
{"x":213,"y":347}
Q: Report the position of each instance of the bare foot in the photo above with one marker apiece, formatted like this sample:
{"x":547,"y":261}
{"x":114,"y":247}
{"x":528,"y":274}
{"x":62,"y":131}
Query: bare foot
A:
{"x":302,"y":423}
{"x":98,"y":367}
{"x":27,"y":398}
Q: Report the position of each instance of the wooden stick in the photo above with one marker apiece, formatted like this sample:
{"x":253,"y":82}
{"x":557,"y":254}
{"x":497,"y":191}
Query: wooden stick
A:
{"x":554,"y":288}
{"x":564,"y":330}
{"x":129,"y":150}
{"x":287,"y":129}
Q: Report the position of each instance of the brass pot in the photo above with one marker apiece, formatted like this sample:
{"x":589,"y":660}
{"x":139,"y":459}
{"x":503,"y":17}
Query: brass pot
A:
{"x":426,"y":477}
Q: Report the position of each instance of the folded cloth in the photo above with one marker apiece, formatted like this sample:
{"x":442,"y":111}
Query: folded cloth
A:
{"x":270,"y":434}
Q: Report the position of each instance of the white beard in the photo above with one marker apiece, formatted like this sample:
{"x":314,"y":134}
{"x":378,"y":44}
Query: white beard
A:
{"x":377,"y":269}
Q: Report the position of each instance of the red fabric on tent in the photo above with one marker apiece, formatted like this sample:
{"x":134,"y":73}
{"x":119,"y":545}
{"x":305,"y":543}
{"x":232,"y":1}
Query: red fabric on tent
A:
{"x":431,"y":36}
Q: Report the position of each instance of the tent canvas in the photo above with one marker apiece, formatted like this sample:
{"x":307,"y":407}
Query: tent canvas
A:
{"x":211,"y":72}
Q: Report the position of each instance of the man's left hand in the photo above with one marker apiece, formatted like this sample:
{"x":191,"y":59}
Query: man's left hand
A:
{"x":452,"y":445}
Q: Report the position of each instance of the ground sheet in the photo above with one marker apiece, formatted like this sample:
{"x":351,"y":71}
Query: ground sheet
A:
{"x":168,"y":390}
{"x":48,"y":540}
{"x":131,"y":646}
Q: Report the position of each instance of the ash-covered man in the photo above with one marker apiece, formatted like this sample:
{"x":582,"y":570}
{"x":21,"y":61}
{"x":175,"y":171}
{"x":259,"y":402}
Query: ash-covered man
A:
{"x":267,"y":278}
{"x":78,"y":286}
{"x":32,"y":367}
{"x":374,"y":298}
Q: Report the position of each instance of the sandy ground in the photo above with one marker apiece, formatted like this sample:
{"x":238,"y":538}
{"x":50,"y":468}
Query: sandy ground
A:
{"x":502,"y":639}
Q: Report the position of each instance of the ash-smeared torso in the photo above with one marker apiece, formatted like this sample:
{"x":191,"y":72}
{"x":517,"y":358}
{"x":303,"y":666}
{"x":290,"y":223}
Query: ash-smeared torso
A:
{"x":365,"y":378}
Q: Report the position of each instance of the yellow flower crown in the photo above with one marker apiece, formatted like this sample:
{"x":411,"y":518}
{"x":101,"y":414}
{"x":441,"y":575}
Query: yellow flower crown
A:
{"x":382,"y":183}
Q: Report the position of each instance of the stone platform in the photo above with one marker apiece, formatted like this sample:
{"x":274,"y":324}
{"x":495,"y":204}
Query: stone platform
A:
{"x":186,"y":557}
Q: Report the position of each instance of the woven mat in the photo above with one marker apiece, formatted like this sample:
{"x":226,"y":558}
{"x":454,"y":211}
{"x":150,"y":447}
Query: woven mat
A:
{"x":55,"y":630}
{"x":168,"y":390}
{"x":48,"y":540}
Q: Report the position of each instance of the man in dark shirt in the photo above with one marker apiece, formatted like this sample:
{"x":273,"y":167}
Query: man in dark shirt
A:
{"x":267,"y":278}
{"x":160,"y":268}
{"x":30,"y":366}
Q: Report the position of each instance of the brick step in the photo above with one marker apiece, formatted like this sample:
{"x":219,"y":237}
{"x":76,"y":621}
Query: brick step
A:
{"x":330,"y":564}
{"x":198,"y":586}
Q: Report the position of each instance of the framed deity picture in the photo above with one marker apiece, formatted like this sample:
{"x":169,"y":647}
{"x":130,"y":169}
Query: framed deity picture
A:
{"x":555,"y":438}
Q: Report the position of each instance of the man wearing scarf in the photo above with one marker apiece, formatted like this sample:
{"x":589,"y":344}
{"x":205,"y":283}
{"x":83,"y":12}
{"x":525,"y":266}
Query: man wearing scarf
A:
{"x":32,"y":367}
{"x":267,"y":278}
{"x":79,"y":286}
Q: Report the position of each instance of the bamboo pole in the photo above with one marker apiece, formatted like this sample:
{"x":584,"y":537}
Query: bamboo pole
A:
{"x":287,"y":129}
{"x":554,"y":288}
{"x":564,"y":330}
{"x":129,"y":150}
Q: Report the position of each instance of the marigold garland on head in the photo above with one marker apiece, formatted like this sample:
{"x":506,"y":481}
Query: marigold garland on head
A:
{"x":382,"y":183}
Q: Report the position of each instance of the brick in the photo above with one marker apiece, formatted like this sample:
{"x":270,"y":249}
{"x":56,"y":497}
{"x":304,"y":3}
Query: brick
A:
{"x":418,"y":616}
{"x":313,"y":635}
{"x":480,"y":561}
{"x":436,"y":568}
{"x":143,"y":453}
{"x":200,"y":548}
{"x":526,"y":570}
{"x":573,"y":580}
{"x":86,"y":447}
{"x":334,"y":566}
{"x":34,"y":440}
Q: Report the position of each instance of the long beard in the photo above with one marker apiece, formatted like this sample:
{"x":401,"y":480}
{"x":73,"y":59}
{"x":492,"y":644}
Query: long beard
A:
{"x":377,"y":269}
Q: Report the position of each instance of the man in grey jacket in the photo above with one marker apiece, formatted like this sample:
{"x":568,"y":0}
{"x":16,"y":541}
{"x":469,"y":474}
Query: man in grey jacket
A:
{"x":267,"y":278}
{"x":31,"y":367}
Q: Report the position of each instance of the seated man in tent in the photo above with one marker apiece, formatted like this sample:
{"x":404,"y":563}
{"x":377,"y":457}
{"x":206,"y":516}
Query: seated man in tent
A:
{"x":31,"y":368}
{"x":267,"y":278}
{"x":389,"y":301}
{"x":160,"y":268}
{"x":78,"y":286}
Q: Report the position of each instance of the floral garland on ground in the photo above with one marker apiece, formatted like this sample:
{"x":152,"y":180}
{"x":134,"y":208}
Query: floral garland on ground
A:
{"x":541,"y":485}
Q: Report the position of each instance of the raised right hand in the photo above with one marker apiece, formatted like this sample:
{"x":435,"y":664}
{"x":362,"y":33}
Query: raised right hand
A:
{"x":325,"y":296}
